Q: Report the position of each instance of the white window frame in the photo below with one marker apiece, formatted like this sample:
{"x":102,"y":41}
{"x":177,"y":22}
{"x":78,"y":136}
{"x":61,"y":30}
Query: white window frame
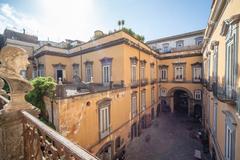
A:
{"x":215,"y":63}
{"x":163,"y":74}
{"x":104,"y":118}
{"x":215,"y":110}
{"x":133,"y":72}
{"x":197,"y":77}
{"x":163,"y":92}
{"x":142,"y":71}
{"x":134,"y":104}
{"x":197,"y":94}
{"x":89,"y":72}
{"x":152,"y":72}
{"x":106,"y":74}
{"x":143,"y":100}
{"x":180,"y":44}
{"x":179,"y":72}
{"x":76,"y":69}
{"x":40,"y":71}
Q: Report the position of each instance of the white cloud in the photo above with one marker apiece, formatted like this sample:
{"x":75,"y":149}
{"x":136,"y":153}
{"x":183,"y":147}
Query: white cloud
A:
{"x":57,"y":20}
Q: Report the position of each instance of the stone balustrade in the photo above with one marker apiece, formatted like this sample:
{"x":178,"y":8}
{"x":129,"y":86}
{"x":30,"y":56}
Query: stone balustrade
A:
{"x":22,"y":135}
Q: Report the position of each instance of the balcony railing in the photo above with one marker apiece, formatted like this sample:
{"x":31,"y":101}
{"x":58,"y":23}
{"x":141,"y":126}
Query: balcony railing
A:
{"x":144,"y":81}
{"x":67,"y":90}
{"x":42,"y":142}
{"x":134,"y":83}
{"x":224,"y":95}
{"x":162,"y":80}
{"x":153,"y":81}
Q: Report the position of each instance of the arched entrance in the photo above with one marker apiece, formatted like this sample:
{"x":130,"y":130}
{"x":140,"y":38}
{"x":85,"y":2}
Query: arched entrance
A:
{"x":181,"y":101}
{"x":105,"y":153}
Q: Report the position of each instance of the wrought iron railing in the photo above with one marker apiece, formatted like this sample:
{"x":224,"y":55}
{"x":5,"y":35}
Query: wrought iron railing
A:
{"x":42,"y":142}
{"x":134,"y":83}
{"x":153,"y":81}
{"x":144,"y":81}
{"x":220,"y":91}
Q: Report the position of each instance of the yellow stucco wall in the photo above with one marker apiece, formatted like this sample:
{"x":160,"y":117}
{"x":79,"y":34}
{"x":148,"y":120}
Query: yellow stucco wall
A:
{"x":232,"y":8}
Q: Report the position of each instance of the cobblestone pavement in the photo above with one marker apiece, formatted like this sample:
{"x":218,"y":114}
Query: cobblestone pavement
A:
{"x":170,"y":139}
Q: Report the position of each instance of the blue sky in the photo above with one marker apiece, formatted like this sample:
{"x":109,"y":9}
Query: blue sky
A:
{"x":77,"y":19}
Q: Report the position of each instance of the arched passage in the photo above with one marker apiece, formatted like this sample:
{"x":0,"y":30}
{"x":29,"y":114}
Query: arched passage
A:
{"x":180,"y":100}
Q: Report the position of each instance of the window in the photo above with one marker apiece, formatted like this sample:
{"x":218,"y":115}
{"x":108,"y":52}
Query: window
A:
{"x":166,"y":47}
{"x":89,"y":71}
{"x":163,"y":74}
{"x":215,"y":116}
{"x":197,"y":74}
{"x":134,"y":104}
{"x":75,"y":69}
{"x":152,"y":96}
{"x":152,"y":71}
{"x":106,"y":74}
{"x":133,"y":72}
{"x":180,"y":44}
{"x":215,"y":62}
{"x":133,"y":69}
{"x":198,"y":95}
{"x":40,"y":70}
{"x":117,"y":143}
{"x":231,"y":60}
{"x":143,"y":100}
{"x":209,"y":66}
{"x":106,"y":70}
{"x":143,"y":63}
{"x":230,"y":133}
{"x":163,"y":92}
{"x":179,"y":72}
{"x":198,"y":41}
{"x":104,"y":119}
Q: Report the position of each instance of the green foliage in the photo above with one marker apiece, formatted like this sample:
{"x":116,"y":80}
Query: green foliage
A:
{"x":135,"y":35}
{"x":43,"y":86}
{"x":6,"y":87}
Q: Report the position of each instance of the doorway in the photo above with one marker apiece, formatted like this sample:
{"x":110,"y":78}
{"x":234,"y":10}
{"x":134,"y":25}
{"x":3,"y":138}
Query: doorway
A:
{"x":181,"y":102}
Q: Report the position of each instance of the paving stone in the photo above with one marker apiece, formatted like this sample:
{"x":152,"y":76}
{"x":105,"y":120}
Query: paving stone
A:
{"x":169,"y":140}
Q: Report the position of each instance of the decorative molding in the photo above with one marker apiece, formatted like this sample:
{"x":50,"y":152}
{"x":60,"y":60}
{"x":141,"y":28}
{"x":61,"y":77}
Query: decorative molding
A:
{"x":104,"y":101}
{"x":106,"y":60}
{"x":59,"y":64}
{"x":88,"y":62}
{"x":226,"y":24}
{"x":163,"y":66}
{"x":134,"y":59}
{"x":143,"y":62}
{"x":197,"y":64}
{"x":213,"y":44}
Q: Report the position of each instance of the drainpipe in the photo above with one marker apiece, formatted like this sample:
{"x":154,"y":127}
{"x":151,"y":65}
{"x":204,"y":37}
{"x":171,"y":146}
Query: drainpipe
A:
{"x":139,"y":89}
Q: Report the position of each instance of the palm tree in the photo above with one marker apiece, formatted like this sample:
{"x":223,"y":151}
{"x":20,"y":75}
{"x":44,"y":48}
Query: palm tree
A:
{"x":123,"y":22}
{"x":119,"y":24}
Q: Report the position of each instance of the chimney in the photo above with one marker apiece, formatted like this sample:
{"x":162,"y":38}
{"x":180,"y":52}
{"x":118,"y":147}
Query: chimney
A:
{"x":23,"y":30}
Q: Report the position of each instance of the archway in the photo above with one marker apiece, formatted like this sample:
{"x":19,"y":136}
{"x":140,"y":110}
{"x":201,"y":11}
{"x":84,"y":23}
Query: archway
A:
{"x":181,"y":101}
{"x":105,"y":153}
{"x":198,"y":111}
